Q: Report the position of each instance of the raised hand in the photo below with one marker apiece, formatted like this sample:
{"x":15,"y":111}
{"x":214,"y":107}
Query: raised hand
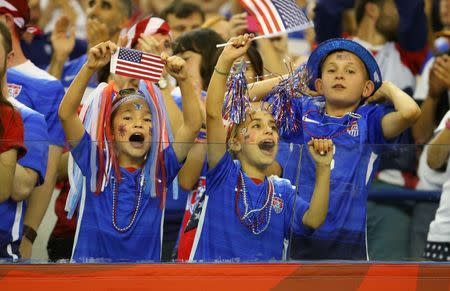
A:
{"x":175,"y":66}
{"x":63,"y":38}
{"x":96,"y":31}
{"x":100,"y":55}
{"x":238,"y":24}
{"x":383,"y":93}
{"x":149,"y":44}
{"x":439,"y":80}
{"x":321,"y":151}
{"x":236,"y":47}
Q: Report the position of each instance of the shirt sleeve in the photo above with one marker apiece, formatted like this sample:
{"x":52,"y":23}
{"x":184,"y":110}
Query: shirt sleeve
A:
{"x":221,"y":173}
{"x":13,"y":132}
{"x":55,"y":129}
{"x":172,"y":164}
{"x":375,"y":129}
{"x":82,"y":154}
{"x":36,"y":141}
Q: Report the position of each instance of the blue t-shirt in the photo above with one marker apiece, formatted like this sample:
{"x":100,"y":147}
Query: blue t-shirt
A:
{"x":223,"y":236}
{"x":96,"y":237}
{"x":12,"y":212}
{"x":36,"y":141}
{"x":41,"y":92}
{"x":358,"y":140}
{"x":71,"y":69}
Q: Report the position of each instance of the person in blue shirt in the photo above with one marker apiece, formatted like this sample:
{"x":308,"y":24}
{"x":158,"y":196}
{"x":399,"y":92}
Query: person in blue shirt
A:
{"x":29,"y":171}
{"x":249,"y":215}
{"x":348,"y":84}
{"x":123,"y":220}
{"x":41,"y":92}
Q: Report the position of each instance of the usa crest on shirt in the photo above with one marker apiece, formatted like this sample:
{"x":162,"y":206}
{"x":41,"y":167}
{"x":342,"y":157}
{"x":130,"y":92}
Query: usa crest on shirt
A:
{"x":14,"y":90}
{"x":353,"y":130}
{"x":277,"y":204}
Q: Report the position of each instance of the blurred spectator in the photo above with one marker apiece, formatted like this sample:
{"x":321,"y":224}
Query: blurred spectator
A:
{"x":41,"y":92}
{"x":183,"y":17}
{"x":36,"y":44}
{"x":438,"y":242}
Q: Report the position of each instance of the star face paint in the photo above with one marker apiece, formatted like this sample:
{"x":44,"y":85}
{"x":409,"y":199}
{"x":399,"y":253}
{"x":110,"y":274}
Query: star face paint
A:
{"x":137,"y":106}
{"x":122,"y":130}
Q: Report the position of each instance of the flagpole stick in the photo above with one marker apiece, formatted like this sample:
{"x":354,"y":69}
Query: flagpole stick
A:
{"x":227,"y":43}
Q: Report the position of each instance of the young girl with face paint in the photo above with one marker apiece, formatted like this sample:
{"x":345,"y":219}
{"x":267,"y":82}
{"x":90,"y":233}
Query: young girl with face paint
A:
{"x":248,"y":215}
{"x":123,"y":221}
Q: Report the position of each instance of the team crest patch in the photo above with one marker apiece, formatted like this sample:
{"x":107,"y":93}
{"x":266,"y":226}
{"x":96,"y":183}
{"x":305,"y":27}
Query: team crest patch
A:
{"x":277,"y":204}
{"x":354,"y":129}
{"x":14,"y":90}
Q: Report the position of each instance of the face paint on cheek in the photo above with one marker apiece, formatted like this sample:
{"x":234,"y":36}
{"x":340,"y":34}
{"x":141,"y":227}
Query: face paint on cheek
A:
{"x":122,"y":130}
{"x":244,"y":133}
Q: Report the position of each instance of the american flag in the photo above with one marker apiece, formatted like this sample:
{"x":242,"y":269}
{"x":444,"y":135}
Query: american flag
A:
{"x":277,"y":16}
{"x":136,"y":64}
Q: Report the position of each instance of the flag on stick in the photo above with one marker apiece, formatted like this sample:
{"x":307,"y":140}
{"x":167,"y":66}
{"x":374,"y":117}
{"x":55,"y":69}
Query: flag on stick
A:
{"x":136,"y":64}
{"x":277,"y":16}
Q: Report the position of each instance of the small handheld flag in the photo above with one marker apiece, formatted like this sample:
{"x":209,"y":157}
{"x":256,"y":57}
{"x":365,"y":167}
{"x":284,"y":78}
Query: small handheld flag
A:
{"x":136,"y":64}
{"x":275,"y":17}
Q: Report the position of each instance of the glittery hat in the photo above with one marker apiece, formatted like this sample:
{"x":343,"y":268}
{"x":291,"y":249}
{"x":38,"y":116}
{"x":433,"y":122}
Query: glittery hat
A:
{"x":340,"y":44}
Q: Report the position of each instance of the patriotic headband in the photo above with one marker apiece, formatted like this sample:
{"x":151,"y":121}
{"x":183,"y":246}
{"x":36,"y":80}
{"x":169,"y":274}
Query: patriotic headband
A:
{"x":147,"y":26}
{"x":126,"y":99}
{"x":19,"y":9}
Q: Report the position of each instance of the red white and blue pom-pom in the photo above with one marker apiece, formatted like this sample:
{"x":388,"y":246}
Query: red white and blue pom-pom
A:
{"x":237,"y":100}
{"x":281,"y":99}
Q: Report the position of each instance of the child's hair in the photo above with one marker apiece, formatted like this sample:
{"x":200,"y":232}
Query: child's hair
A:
{"x":256,"y":60}
{"x":202,"y":41}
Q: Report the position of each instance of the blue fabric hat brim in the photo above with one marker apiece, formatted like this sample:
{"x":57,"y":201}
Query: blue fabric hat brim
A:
{"x":341,"y":44}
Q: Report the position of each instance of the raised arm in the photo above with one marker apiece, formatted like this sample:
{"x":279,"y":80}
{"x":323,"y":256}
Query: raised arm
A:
{"x":25,"y":180}
{"x":63,"y":42}
{"x":98,"y":57}
{"x":321,"y":151}
{"x":214,"y":99}
{"x":406,"y":113}
{"x":8,"y":161}
{"x":439,"y":149}
{"x":184,"y":137}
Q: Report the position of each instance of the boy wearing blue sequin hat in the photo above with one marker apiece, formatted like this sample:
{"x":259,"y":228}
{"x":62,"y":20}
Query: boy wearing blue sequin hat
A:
{"x":348,"y":109}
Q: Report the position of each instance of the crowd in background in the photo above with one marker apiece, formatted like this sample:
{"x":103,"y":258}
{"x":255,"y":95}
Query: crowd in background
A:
{"x":50,"y":41}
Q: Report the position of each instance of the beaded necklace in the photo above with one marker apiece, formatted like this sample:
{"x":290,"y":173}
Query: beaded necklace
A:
{"x":256,"y":220}
{"x":137,"y":203}
{"x":346,"y":127}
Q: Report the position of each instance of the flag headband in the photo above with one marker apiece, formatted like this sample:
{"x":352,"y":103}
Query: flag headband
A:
{"x":135,"y":96}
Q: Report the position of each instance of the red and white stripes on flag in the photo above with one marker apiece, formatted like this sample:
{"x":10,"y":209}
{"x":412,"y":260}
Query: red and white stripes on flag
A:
{"x":277,"y":16}
{"x":136,"y":64}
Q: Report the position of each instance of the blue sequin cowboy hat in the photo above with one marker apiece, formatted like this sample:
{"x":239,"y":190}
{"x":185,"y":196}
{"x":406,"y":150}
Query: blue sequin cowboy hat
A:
{"x":341,"y":44}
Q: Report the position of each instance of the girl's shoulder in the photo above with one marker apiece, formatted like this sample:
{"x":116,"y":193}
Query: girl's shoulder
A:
{"x":282,"y":184}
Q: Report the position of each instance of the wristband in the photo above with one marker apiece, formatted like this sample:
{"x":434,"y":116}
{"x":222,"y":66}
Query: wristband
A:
{"x":219,"y":72}
{"x":29,"y":233}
